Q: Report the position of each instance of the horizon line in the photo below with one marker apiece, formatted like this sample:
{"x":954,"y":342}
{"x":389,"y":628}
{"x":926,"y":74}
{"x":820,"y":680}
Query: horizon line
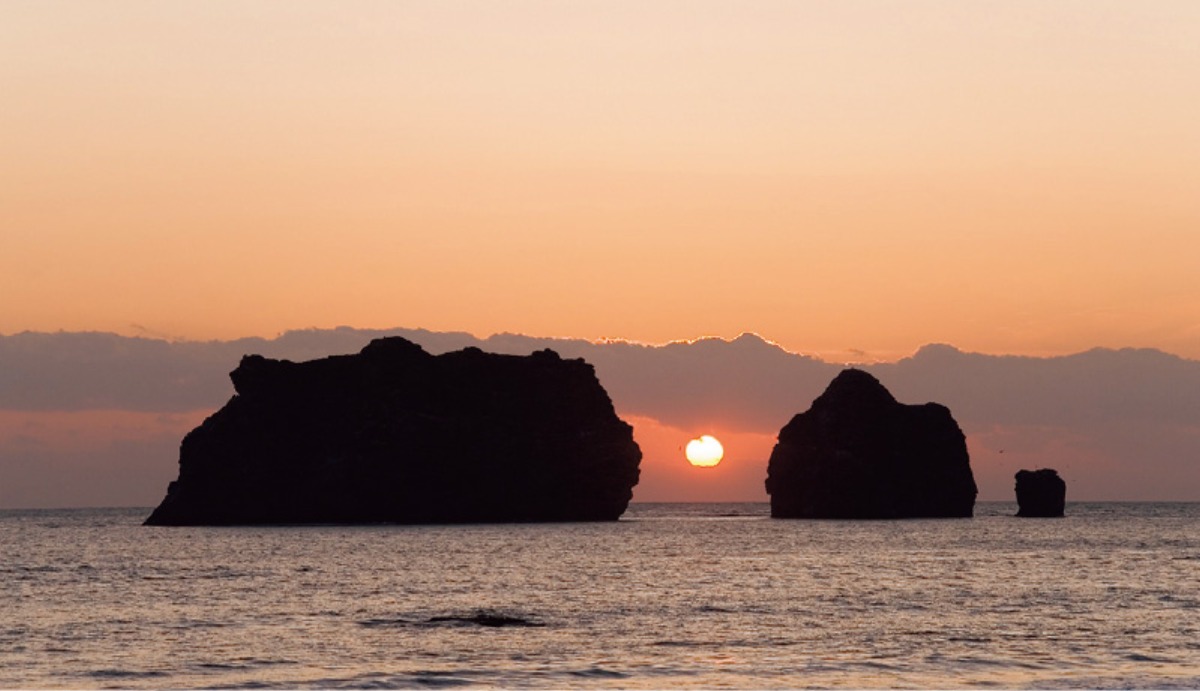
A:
{"x":821,"y":356}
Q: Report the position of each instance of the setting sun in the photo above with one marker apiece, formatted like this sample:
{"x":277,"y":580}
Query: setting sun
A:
{"x":704,"y":452}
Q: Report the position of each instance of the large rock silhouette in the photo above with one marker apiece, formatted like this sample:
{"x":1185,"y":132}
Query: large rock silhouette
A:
{"x":1040,"y":493}
{"x":394,"y":434}
{"x":858,"y":453}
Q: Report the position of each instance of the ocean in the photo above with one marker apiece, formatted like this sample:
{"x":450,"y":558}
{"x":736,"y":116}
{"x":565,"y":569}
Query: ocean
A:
{"x":671,"y":596}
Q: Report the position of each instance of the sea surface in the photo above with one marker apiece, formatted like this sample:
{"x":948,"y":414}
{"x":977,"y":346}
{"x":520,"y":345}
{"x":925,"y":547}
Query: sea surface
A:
{"x":671,"y":596}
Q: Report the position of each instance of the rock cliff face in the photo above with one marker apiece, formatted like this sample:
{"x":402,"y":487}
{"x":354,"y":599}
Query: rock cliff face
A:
{"x":394,"y":434}
{"x":1040,"y":493}
{"x":858,"y":453}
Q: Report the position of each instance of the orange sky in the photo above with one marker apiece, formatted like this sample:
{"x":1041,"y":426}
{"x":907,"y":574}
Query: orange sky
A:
{"x":1010,"y":177}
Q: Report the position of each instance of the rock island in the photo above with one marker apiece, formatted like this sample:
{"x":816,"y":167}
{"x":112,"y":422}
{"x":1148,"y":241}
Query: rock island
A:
{"x":858,"y":453}
{"x":1040,"y":493}
{"x":395,"y":434}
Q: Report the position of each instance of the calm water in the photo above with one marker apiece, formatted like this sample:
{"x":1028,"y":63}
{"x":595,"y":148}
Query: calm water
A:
{"x":671,"y":596}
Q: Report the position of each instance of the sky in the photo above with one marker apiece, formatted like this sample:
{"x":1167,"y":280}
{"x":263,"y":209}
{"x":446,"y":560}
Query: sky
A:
{"x":849,"y":179}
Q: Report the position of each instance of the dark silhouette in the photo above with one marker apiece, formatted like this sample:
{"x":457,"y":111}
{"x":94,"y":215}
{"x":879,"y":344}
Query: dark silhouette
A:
{"x":484,"y":618}
{"x":480,"y":617}
{"x":1040,"y":493}
{"x":394,"y":434}
{"x":858,"y":453}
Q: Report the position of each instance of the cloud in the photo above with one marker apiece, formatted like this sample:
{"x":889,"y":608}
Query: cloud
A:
{"x":1127,"y":421}
{"x":97,"y":371}
{"x":1088,"y":389}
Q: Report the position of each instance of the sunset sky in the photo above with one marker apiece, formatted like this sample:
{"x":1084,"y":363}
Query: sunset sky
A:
{"x":849,"y":179}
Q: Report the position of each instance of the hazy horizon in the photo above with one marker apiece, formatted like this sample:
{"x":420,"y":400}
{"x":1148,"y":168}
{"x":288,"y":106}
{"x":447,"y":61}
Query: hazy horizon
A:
{"x":830,"y":357}
{"x":90,"y":416}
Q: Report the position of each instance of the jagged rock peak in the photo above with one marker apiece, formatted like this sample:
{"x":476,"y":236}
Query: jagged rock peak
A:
{"x":854,"y":389}
{"x":393,"y":348}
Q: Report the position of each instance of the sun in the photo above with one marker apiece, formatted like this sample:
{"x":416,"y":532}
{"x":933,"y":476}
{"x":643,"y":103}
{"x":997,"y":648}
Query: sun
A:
{"x":704,"y":452}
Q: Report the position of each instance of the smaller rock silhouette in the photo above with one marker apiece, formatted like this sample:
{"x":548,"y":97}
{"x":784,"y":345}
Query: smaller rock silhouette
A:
{"x":1040,"y":493}
{"x":859,"y":453}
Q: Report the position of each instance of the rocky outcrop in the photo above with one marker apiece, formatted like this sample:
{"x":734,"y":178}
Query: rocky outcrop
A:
{"x":394,"y":434}
{"x":1040,"y":493}
{"x":858,"y":453}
